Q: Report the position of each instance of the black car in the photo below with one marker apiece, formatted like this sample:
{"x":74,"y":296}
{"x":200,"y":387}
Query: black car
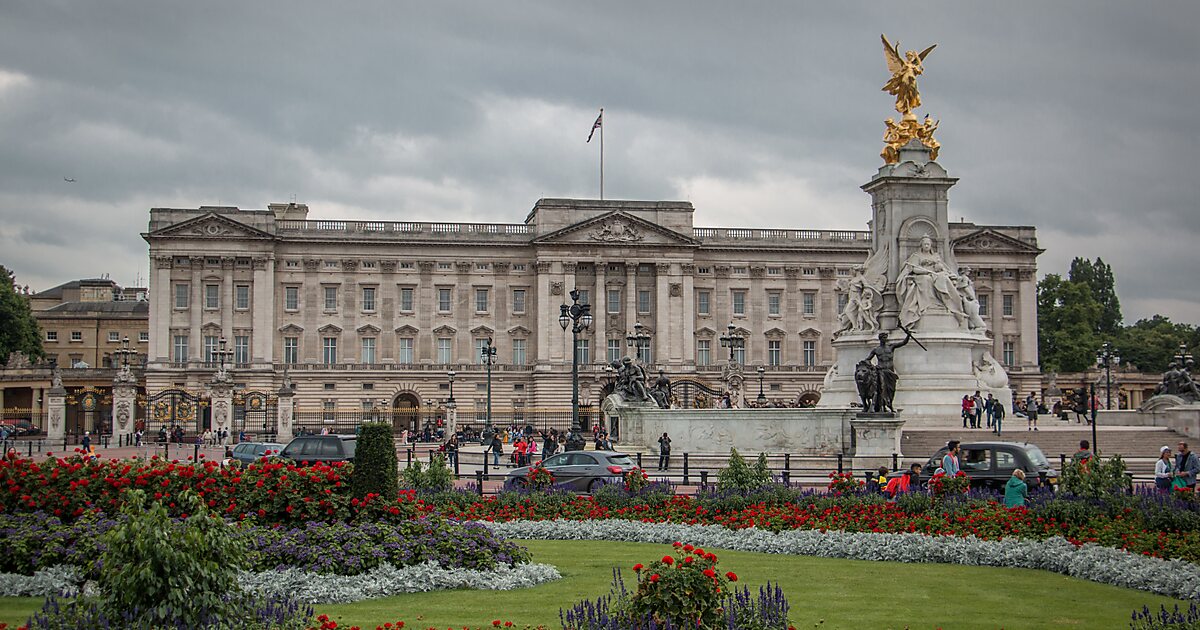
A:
{"x":248,"y":452}
{"x":581,"y":471}
{"x":990,"y":464}
{"x":19,"y":427}
{"x":320,"y":448}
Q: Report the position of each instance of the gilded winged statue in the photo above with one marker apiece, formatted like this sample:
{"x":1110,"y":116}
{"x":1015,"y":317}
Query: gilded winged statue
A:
{"x":905,"y":70}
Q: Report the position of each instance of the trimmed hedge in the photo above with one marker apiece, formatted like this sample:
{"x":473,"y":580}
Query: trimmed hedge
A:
{"x":375,"y":465}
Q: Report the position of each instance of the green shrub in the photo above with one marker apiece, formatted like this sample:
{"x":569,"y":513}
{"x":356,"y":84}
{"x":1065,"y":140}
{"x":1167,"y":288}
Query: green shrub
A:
{"x":375,"y":462}
{"x":436,"y":478}
{"x":1095,"y":478}
{"x":739,"y":475}
{"x":171,"y":572}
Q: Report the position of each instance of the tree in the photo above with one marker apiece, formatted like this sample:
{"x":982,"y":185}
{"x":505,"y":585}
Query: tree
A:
{"x":18,"y":329}
{"x":1099,"y":278}
{"x":1149,"y":344}
{"x":1068,"y":318}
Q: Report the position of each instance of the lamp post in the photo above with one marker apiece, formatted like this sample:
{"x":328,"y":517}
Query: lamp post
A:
{"x":577,"y":317}
{"x":488,"y":355}
{"x":732,"y":340}
{"x":221,"y":355}
{"x":1107,"y":358}
{"x":1184,"y":358}
{"x":639,"y":340}
{"x":762,"y":399}
{"x":450,"y":375}
{"x":125,"y":354}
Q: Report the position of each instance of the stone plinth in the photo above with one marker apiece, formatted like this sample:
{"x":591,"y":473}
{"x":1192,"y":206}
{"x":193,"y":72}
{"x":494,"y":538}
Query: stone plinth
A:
{"x":876,"y":439}
{"x":124,"y":401}
{"x":799,"y":431}
{"x":221,"y":395}
{"x":284,"y":414}
{"x":56,"y":414}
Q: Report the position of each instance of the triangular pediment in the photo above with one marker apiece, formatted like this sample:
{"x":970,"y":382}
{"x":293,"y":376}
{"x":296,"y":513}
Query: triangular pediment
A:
{"x":775,"y":333}
{"x":482,"y":331}
{"x":406,"y":330}
{"x":705,"y":331}
{"x":988,"y":240}
{"x":329,"y":328}
{"x":519,"y":331}
{"x":291,"y":329}
{"x":367,"y":329}
{"x":810,"y":333}
{"x":445,"y":330}
{"x":210,"y":226}
{"x":616,"y":228}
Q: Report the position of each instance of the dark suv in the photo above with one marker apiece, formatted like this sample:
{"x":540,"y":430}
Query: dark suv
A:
{"x":320,"y":448}
{"x":249,"y":452}
{"x":990,"y":464}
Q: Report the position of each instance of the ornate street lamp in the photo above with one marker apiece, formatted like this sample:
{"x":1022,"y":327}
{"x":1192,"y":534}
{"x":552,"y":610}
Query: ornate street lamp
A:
{"x":577,"y":317}
{"x":222,"y":354}
{"x":125,"y":354}
{"x":762,"y":399}
{"x":450,"y":375}
{"x":1107,"y":358}
{"x":732,"y":340}
{"x":488,"y":355}
{"x":1184,"y":358}
{"x":639,"y":340}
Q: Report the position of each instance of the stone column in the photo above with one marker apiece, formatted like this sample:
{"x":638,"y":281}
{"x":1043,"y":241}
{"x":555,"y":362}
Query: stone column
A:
{"x":56,"y":418}
{"x":124,"y":401}
{"x":220,"y":392}
{"x":35,"y":405}
{"x":876,"y":438}
{"x":600,"y":311}
{"x":451,"y":419}
{"x":284,"y":413}
{"x":662,"y":316}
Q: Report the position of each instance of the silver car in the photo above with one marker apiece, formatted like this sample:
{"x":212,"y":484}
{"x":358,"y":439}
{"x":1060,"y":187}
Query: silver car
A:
{"x":580,"y":471}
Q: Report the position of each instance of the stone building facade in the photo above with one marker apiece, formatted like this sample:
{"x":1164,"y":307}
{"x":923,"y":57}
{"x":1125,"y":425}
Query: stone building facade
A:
{"x":370,"y":314}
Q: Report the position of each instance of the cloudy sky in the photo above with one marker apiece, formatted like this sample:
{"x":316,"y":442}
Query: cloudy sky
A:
{"x":1077,"y":117}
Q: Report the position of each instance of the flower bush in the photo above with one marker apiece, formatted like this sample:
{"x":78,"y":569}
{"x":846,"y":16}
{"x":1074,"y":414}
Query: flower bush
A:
{"x":538,"y":478}
{"x":1166,"y":619}
{"x":636,"y":480}
{"x":844,"y":483}
{"x":270,"y":491}
{"x":941,"y":484}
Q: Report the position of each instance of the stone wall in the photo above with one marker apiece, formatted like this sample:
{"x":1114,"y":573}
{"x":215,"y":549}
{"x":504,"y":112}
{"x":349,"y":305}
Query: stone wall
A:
{"x":800,"y":431}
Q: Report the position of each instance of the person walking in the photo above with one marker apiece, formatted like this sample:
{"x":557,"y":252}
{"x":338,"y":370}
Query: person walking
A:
{"x":519,"y":451}
{"x":1187,"y":466}
{"x":1031,"y":413}
{"x":497,"y":449}
{"x":989,"y":407}
{"x":86,"y":443}
{"x":977,"y":410}
{"x":452,"y":451}
{"x":1164,"y":470}
{"x":998,"y":414}
{"x":550,"y":445}
{"x":664,"y":452}
{"x":966,"y":410}
{"x":1016,"y":491}
{"x":950,"y":459}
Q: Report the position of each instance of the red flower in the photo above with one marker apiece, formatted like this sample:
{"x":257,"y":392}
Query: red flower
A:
{"x":710,"y":573}
{"x":637,"y":567}
{"x":687,"y":560}
{"x":732,"y":576}
{"x":654,"y":578}
{"x":668,"y":560}
{"x":496,"y":622}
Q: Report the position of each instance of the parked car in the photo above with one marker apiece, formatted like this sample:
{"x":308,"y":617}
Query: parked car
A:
{"x":990,"y":464}
{"x":19,"y":427}
{"x":581,"y":471}
{"x":320,"y":448}
{"x":248,"y":452}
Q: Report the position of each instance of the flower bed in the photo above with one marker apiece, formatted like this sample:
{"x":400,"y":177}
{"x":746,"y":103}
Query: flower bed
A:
{"x":268,"y":491}
{"x":1089,"y":561}
{"x":39,"y":541}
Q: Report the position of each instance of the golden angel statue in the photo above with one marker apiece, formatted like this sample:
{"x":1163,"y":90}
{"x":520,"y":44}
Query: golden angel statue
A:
{"x":905,"y":70}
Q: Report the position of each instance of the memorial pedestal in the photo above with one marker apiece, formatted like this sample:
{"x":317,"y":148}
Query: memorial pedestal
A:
{"x":876,"y":439}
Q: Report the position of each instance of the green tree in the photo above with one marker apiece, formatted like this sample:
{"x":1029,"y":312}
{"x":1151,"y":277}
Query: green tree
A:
{"x":18,"y":328}
{"x":375,"y":465}
{"x":1068,"y":317}
{"x":1149,"y":344}
{"x":1099,"y":278}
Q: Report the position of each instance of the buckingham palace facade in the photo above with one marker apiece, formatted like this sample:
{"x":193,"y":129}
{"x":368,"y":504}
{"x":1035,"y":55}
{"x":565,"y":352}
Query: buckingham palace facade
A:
{"x":371,"y":314}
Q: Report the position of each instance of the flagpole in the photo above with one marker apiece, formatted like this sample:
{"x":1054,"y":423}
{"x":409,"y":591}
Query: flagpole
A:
{"x":601,"y":154}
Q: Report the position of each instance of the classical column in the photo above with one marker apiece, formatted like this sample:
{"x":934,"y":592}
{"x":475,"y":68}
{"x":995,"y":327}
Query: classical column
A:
{"x":124,"y":395}
{"x":262,"y":309}
{"x":196,"y":311}
{"x":600,"y":311}
{"x":452,"y":419}
{"x":284,"y":412}
{"x":56,"y":406}
{"x":663,"y":331}
{"x":1027,"y":295}
{"x":687,"y":332}
{"x":631,"y":290}
{"x":36,"y":407}
{"x":545,"y":304}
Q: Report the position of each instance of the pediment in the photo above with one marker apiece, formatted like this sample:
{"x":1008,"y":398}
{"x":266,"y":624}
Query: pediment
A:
{"x":211,"y":328}
{"x":406,"y":330}
{"x":329,"y":328}
{"x":705,"y":332}
{"x":445,"y":330}
{"x":775,"y":332}
{"x":482,"y":331}
{"x":519,"y":331}
{"x":291,"y":329}
{"x":367,"y":329}
{"x":616,"y":228}
{"x":810,"y":333}
{"x":988,"y":240}
{"x":211,"y":226}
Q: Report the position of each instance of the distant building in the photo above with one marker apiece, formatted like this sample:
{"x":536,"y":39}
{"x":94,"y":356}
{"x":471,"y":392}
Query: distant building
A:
{"x":83,"y":323}
{"x":371,"y":315}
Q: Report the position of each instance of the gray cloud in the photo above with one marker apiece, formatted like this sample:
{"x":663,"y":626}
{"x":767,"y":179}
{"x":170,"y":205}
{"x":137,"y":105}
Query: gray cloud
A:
{"x":1071,"y":116}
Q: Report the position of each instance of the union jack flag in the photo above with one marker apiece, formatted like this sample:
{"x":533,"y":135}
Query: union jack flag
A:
{"x":596,"y":125}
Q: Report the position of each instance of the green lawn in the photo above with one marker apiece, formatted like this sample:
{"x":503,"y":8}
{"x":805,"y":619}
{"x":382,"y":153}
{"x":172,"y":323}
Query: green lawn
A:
{"x":831,"y":593}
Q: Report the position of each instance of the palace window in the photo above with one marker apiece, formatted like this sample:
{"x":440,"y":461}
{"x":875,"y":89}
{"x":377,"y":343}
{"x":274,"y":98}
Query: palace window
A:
{"x":810,"y":303}
{"x":329,"y":350}
{"x":291,"y":298}
{"x":368,"y":350}
{"x":774,"y":352}
{"x":330,"y":298}
{"x":703,"y":352}
{"x":368,"y":301}
{"x":51,"y":335}
{"x":643,"y":304}
{"x":406,"y":299}
{"x":405,"y":355}
{"x":739,"y":302}
{"x":241,"y":297}
{"x":810,"y":353}
{"x":291,"y":350}
{"x":443,"y":300}
{"x":613,"y":351}
{"x":481,"y":300}
{"x":180,"y":349}
{"x":774,"y":299}
{"x":703,"y":302}
{"x":212,"y":296}
{"x":518,"y":300}
{"x":241,"y":349}
{"x":114,"y":336}
{"x":443,"y":350}
{"x":518,"y":351}
{"x":584,"y":351}
{"x":1007,"y":305}
{"x":182,"y":294}
{"x":984,"y":303}
{"x":1010,"y":353}
{"x":614,"y":301}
